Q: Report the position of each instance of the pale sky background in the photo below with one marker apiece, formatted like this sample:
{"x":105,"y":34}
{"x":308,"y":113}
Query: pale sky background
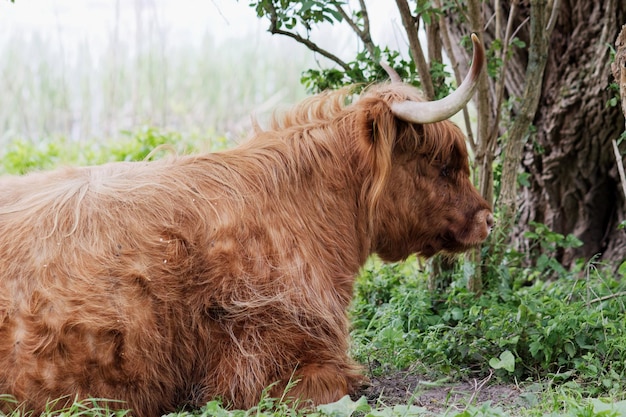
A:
{"x":184,"y":21}
{"x":72,"y":71}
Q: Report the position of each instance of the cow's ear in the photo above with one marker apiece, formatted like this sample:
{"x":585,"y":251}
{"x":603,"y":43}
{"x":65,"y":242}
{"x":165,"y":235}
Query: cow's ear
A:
{"x":379,"y":139}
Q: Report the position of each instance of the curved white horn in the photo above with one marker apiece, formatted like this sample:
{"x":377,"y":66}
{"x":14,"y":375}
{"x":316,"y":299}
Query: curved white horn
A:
{"x":436,"y":111}
{"x":393,"y":75}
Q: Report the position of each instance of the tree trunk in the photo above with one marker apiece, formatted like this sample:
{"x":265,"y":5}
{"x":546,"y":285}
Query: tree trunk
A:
{"x":575,"y":186}
{"x":574,"y":183}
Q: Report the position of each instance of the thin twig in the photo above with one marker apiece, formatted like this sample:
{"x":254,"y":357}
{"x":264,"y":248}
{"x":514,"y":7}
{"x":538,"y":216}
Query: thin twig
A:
{"x":493,"y":135}
{"x":478,"y":387}
{"x":410,"y":26}
{"x":608,"y":297}
{"x":620,"y":166}
{"x":447,"y":45}
{"x":363,"y":34}
{"x":498,"y":16}
{"x":366,"y":18}
{"x":553,"y":16}
{"x":306,"y":42}
{"x":521,"y":25}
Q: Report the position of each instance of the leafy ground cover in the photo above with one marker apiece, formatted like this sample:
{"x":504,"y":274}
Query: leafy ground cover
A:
{"x":527,"y":345}
{"x":540,"y":340}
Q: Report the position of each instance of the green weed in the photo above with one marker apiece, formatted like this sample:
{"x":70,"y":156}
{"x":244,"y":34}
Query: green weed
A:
{"x":571,"y":329}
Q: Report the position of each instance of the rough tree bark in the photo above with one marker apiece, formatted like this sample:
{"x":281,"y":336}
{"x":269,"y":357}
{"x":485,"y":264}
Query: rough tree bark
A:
{"x":574,"y":184}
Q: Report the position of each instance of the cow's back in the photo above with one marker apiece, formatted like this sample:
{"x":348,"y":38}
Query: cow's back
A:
{"x":90,"y":301}
{"x":146,"y":281}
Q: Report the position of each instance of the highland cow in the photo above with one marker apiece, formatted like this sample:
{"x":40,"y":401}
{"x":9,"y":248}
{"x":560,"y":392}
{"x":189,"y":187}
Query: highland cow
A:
{"x":168,"y":283}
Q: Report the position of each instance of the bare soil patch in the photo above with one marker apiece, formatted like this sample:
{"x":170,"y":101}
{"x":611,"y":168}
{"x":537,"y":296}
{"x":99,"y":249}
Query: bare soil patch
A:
{"x":403,"y":387}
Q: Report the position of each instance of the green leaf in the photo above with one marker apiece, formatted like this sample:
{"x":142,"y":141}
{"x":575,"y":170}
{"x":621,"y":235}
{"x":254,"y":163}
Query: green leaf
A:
{"x":531,"y":235}
{"x":518,"y":42}
{"x":457,"y":313}
{"x":506,"y":361}
{"x":535,"y":347}
{"x":609,"y":408}
{"x":542,"y":262}
{"x":523,"y":179}
{"x":306,"y":6}
{"x":345,"y":407}
{"x":399,"y":410}
{"x":338,"y":17}
{"x":572,"y":241}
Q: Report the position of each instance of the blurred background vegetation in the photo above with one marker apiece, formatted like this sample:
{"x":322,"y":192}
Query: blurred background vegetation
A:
{"x":94,"y":70}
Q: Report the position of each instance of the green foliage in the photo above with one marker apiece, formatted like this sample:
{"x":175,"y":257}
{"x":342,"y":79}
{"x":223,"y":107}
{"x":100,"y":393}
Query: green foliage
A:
{"x":137,"y":146}
{"x":364,"y":70}
{"x":296,"y":18}
{"x":426,"y":10}
{"x":613,"y":87}
{"x":547,"y":244}
{"x":567,"y":330}
{"x":290,"y":13}
{"x":615,"y":98}
{"x":344,"y":407}
{"x":391,"y":306}
{"x":22,"y":156}
{"x":92,"y":407}
{"x":505,"y":361}
{"x":494,"y":53}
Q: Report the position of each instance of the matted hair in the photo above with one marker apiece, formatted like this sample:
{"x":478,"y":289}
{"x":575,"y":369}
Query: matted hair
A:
{"x":178,"y":280}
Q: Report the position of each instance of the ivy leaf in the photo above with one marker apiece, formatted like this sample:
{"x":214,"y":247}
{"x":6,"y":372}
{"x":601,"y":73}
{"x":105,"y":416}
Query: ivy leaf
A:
{"x":506,"y":361}
{"x":345,"y":407}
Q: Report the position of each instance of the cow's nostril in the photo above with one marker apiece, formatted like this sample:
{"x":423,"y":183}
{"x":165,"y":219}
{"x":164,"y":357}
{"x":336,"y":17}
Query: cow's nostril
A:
{"x":490,"y":221}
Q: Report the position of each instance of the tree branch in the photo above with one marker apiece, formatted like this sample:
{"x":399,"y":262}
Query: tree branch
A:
{"x":620,"y":166}
{"x":433,"y":37}
{"x":537,"y":58}
{"x":306,"y":42}
{"x":366,"y":18}
{"x":447,"y":45}
{"x":608,"y":297}
{"x":363,"y":34}
{"x":409,"y":23}
{"x":493,"y":136}
{"x":484,"y":154}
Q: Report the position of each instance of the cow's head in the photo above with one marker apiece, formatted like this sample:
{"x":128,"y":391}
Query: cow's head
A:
{"x":422,"y":198}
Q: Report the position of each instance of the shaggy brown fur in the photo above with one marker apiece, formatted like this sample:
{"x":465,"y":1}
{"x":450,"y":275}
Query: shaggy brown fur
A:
{"x":172,"y":282}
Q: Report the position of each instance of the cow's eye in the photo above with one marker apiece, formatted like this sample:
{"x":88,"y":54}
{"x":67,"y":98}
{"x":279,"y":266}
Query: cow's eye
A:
{"x":445,"y":171}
